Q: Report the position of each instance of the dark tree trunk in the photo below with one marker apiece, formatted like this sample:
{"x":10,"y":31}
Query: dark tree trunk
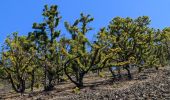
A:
{"x":19,"y":88}
{"x":79,"y":81}
{"x":32,"y":80}
{"x":45,"y":78}
{"x":58,"y":78}
{"x":156,"y":68}
{"x":76,"y":70}
{"x":119,"y":73}
{"x":112,"y":72}
{"x":77,"y":76}
{"x":50,"y":85}
{"x":22,"y":88}
{"x":128,"y":72}
{"x":13,"y":85}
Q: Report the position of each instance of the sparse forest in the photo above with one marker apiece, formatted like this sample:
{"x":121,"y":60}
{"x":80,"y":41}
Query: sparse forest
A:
{"x":44,"y":59}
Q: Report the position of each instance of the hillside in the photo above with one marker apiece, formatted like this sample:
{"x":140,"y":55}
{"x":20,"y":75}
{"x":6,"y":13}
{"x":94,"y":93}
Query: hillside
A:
{"x":149,"y":84}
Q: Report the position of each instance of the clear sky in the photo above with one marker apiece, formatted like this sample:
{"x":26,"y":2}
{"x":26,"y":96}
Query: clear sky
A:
{"x":18,"y":15}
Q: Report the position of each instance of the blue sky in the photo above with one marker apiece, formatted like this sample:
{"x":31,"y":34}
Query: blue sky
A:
{"x":18,"y":15}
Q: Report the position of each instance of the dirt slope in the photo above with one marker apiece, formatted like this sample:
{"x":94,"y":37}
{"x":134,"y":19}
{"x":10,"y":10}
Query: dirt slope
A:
{"x":147,"y":85}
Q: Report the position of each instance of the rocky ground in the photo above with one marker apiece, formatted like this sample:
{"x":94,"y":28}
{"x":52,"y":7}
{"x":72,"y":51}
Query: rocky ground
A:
{"x":150,"y":84}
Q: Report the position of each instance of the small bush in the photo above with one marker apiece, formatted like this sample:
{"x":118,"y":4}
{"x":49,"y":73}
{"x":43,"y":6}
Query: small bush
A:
{"x":76,"y":90}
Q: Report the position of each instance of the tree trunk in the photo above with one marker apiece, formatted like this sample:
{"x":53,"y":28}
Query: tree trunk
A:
{"x":128,"y":71}
{"x":19,"y":88}
{"x":22,"y":88}
{"x":45,"y":77}
{"x":80,"y":81}
{"x":77,"y":76}
{"x":50,"y":85}
{"x":13,"y":85}
{"x":112,"y":72}
{"x":32,"y":81}
{"x":119,"y":73}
